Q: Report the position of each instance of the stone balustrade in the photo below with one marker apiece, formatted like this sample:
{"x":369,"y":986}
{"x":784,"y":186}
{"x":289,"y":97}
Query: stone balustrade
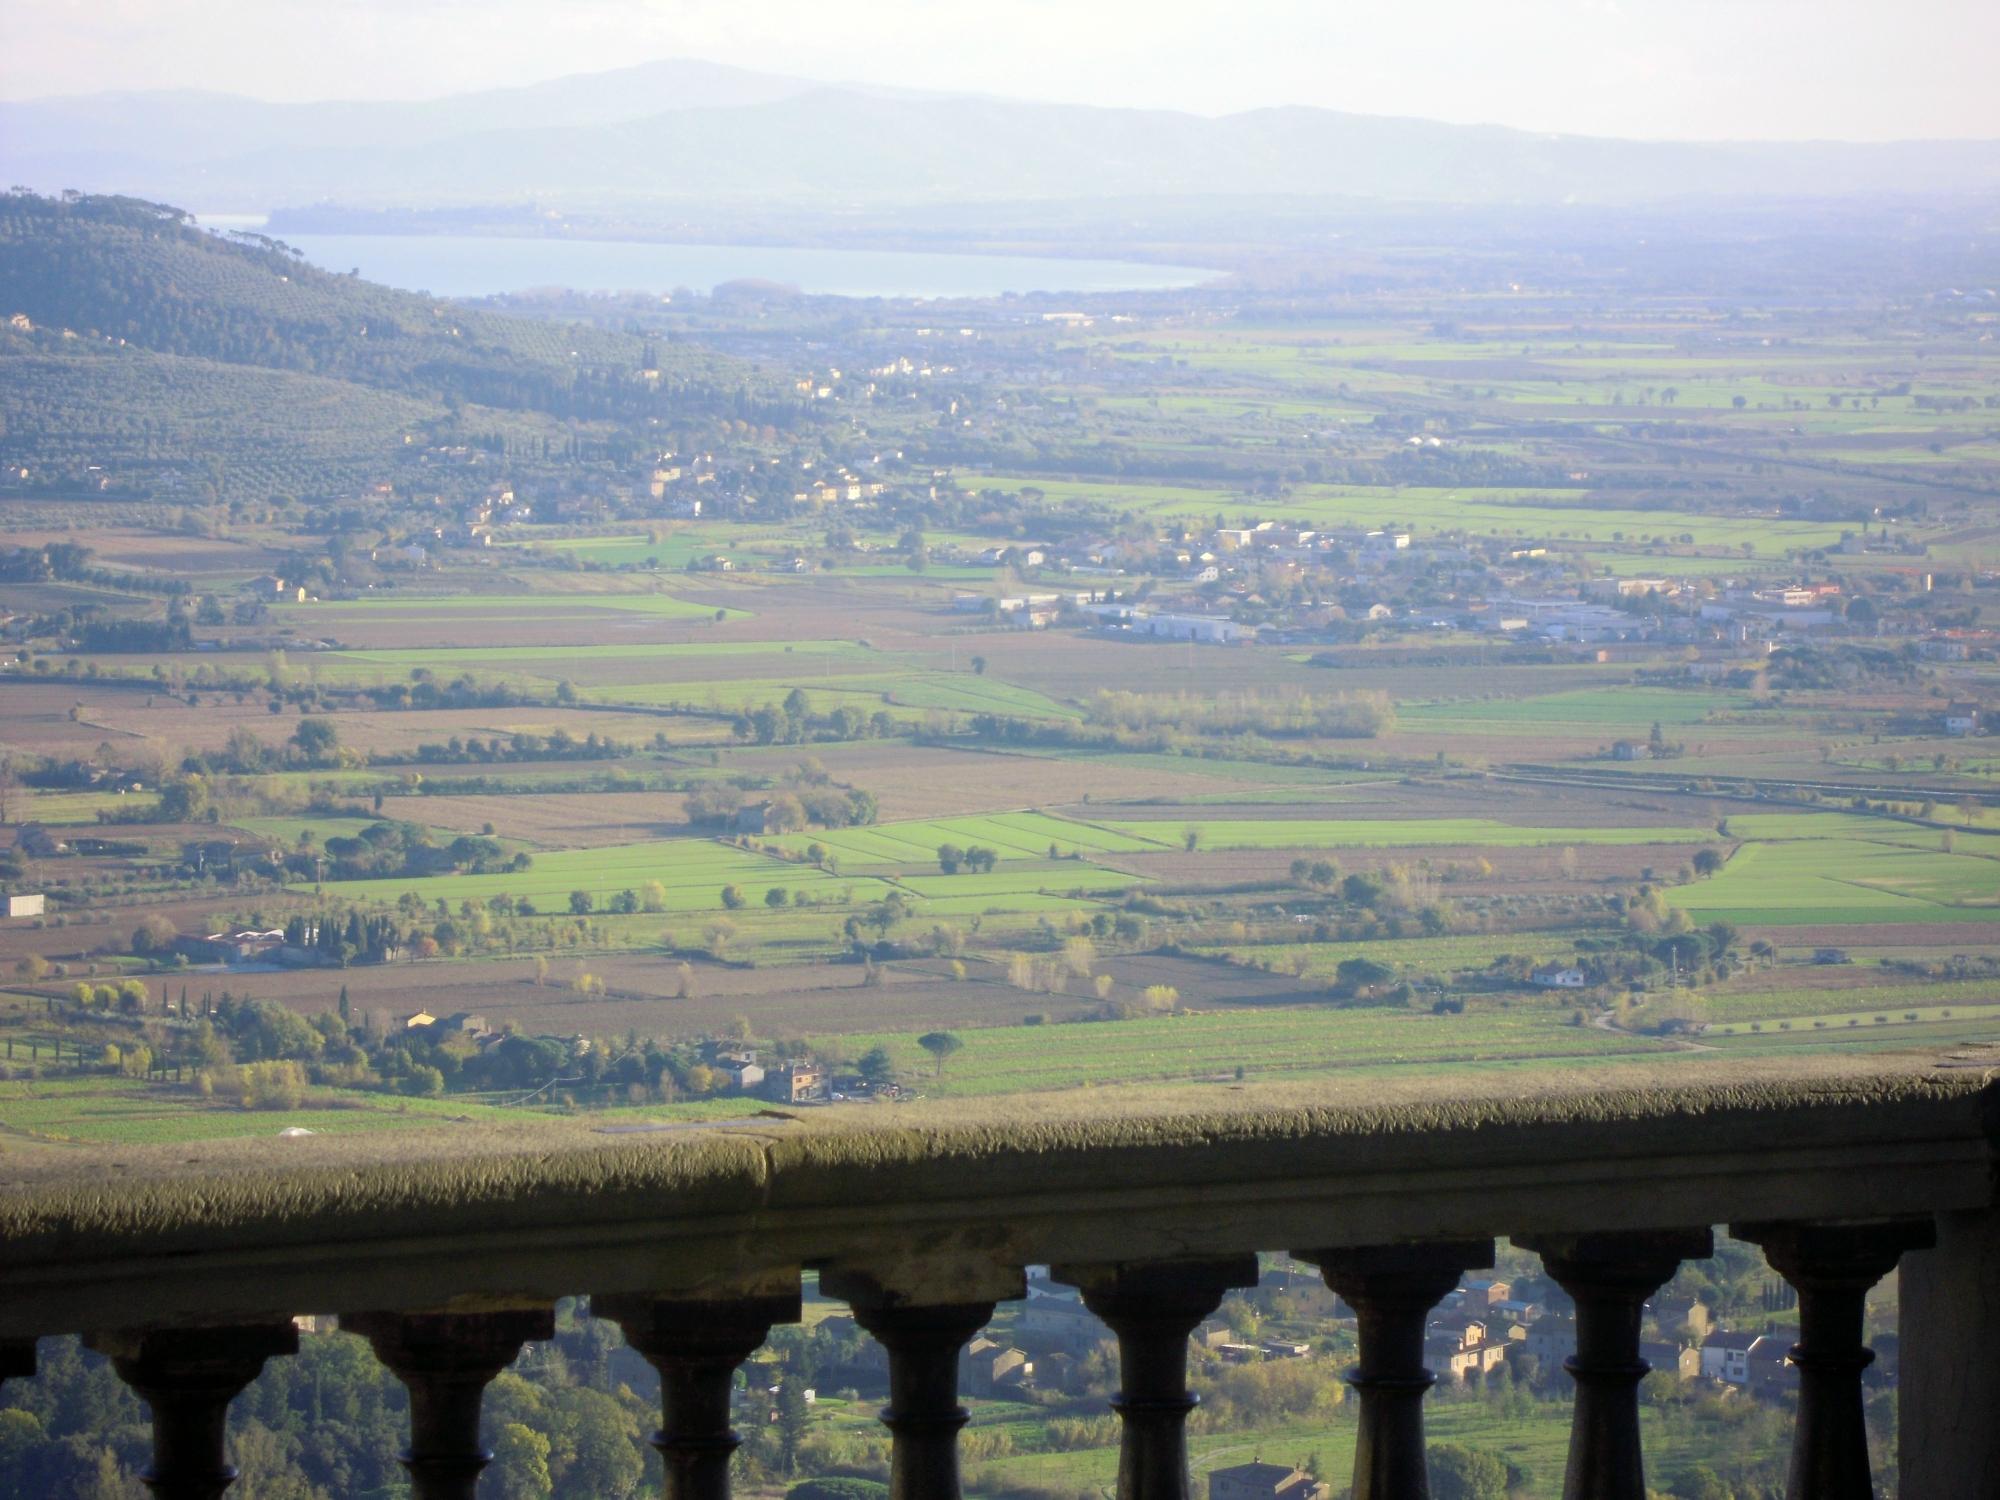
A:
{"x":446,"y":1248}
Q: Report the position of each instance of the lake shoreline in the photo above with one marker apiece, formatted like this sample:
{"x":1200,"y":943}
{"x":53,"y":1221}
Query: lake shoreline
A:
{"x":485,"y":263}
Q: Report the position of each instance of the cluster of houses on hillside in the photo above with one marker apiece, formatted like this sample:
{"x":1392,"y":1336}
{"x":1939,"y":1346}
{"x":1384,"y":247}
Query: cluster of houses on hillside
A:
{"x":1042,"y":610}
{"x":668,"y":485}
{"x":1475,"y":1332}
{"x":1297,"y":584}
{"x":1482,"y":1325}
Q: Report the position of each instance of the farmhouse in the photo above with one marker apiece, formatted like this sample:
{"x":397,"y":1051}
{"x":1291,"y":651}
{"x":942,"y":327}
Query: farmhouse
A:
{"x":1725,"y":1356}
{"x":743,"y":1073}
{"x":990,"y":1368}
{"x":1058,"y":1323}
{"x":1549,"y":1340}
{"x":1682,"y":1361}
{"x":1463,"y":1345}
{"x":1680,"y":1314}
{"x":1262,"y":1481}
{"x":1559,"y":979}
{"x":26,"y":905}
{"x":795,"y":1083}
{"x":1961,"y":718}
{"x":755,"y":818}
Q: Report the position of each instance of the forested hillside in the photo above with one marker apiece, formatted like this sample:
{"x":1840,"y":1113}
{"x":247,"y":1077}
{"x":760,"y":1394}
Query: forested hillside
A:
{"x":140,"y":349}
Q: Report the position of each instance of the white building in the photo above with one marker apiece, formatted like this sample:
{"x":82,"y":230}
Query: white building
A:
{"x":1726,"y":1357}
{"x":1204,"y":628}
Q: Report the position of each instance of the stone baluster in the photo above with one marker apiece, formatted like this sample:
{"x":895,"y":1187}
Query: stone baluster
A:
{"x":17,"y":1360}
{"x":1392,"y":1289}
{"x":1153,"y":1307}
{"x":188,"y":1377}
{"x":697,"y":1342}
{"x":1948,"y":1384}
{"x":1832,"y":1266}
{"x":923,"y":1321}
{"x":446,"y":1360}
{"x":1609,"y":1276}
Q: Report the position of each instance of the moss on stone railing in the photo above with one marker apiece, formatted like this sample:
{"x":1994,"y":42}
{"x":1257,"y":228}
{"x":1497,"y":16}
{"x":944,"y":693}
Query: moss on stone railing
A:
{"x":448,"y":1245}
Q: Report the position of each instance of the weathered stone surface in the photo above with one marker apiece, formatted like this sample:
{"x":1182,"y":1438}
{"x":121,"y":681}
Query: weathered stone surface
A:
{"x":1951,"y":1360}
{"x":1107,"y":1174}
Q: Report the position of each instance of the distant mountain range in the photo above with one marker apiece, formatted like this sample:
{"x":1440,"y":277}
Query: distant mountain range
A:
{"x":699,"y":132}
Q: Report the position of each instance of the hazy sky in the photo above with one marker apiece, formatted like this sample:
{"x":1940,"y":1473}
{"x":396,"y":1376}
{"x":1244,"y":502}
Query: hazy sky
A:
{"x":1777,"y":69}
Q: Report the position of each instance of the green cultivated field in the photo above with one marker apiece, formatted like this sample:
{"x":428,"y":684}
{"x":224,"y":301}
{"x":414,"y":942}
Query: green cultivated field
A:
{"x":1267,"y":1043}
{"x":126,"y":1111}
{"x":692,"y":870}
{"x":1012,"y":836}
{"x":1850,"y":1020}
{"x":1888,"y":998}
{"x":1808,"y":881}
{"x":476,"y":658}
{"x":83,"y":807}
{"x":1411,"y":955}
{"x":1526,"y":514}
{"x":1366,"y":833}
{"x":1860,"y":1033}
{"x":912,"y":694}
{"x":1015,"y":878}
{"x":471,"y":609}
{"x":1606,"y":710}
{"x":1272,"y":773}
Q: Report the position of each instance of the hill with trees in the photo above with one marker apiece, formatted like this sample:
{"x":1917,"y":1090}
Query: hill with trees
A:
{"x":147,"y":350}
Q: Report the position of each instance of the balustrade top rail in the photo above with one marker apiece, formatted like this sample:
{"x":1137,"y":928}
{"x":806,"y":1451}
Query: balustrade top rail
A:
{"x":460,"y":1215}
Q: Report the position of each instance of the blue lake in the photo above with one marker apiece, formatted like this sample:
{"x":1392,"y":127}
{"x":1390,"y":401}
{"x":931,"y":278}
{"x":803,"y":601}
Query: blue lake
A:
{"x":479,"y":266}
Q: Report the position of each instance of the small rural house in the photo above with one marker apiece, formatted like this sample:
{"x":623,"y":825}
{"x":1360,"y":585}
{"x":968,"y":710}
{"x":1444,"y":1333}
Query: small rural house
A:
{"x":1262,"y":1481}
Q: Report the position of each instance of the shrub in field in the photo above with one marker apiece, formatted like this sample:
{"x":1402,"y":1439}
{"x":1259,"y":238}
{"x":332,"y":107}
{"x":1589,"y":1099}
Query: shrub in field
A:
{"x":270,"y":1085}
{"x":1462,"y":1474}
